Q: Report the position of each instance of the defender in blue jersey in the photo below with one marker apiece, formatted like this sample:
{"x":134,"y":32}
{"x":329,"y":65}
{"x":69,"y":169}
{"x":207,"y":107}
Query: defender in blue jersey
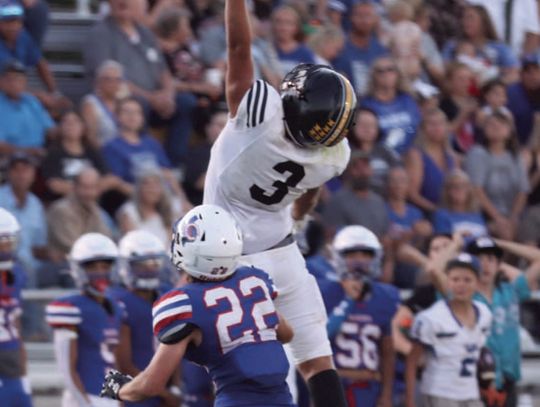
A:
{"x":223,"y":318}
{"x":14,"y":389}
{"x":142,"y":258}
{"x":86,"y":325}
{"x":360,"y":315}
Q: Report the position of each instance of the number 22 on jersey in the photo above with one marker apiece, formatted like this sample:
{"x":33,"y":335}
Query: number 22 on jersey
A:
{"x":247,"y":311}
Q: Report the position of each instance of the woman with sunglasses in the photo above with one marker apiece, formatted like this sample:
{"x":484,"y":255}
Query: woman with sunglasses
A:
{"x":395,"y":108}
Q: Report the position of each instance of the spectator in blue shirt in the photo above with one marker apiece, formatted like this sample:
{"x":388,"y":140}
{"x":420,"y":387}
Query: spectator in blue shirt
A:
{"x":132,"y":152}
{"x":478,"y":29}
{"x":25,"y":123}
{"x":397,"y":111}
{"x":15,"y":196}
{"x":16,"y":43}
{"x":362,"y":47}
{"x":430,"y":161}
{"x":459,"y":211}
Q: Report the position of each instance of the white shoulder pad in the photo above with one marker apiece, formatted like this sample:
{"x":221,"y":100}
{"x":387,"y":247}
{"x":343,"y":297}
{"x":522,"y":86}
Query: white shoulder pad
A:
{"x":259,"y":104}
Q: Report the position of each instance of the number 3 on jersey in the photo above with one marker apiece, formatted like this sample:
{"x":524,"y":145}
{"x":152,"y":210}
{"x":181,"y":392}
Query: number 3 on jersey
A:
{"x":254,"y":324}
{"x":297,"y":173}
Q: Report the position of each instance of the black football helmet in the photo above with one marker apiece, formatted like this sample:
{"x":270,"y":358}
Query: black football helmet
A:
{"x":319,"y":105}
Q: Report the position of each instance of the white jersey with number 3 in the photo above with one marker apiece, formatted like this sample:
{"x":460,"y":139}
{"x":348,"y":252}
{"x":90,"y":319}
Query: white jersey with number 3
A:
{"x":450,"y":370}
{"x":256,"y":172}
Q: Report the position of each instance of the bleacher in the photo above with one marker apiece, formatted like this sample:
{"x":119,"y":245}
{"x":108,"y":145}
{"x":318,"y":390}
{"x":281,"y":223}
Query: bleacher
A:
{"x":63,"y":48}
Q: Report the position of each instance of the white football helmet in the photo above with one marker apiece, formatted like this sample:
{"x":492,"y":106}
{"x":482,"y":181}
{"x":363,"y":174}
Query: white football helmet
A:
{"x":357,"y":238}
{"x":206,"y":243}
{"x":9,"y":235}
{"x":142,"y":257}
{"x":88,"y":248}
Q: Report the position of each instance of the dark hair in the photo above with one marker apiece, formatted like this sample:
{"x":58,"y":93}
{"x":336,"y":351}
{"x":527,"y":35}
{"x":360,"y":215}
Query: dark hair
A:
{"x":489,"y":86}
{"x":351,"y":136}
{"x":512,"y":144}
{"x":434,"y":236}
{"x":84,"y":139}
{"x":168,"y":21}
{"x":487,"y":24}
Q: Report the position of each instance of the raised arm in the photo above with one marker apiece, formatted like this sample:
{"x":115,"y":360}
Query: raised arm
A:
{"x":239,"y":63}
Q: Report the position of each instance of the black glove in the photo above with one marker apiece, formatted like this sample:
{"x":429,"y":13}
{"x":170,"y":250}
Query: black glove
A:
{"x":114,"y":380}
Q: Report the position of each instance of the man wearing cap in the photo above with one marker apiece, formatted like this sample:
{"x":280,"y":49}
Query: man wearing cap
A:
{"x":25,"y":123}
{"x":15,"y":196}
{"x":17,"y":44}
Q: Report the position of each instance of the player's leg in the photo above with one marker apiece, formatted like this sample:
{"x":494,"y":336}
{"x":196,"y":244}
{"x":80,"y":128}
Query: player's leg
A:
{"x":300,"y":302}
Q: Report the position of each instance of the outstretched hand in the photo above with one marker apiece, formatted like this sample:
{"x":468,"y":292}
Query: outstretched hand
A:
{"x":113,"y":382}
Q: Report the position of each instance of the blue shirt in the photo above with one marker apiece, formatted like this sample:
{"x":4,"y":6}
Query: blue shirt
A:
{"x":355,"y":62}
{"x":433,"y":176}
{"x":300,"y":55}
{"x":26,"y":51}
{"x":446,"y":221}
{"x":24,"y":121}
{"x":128,"y":160}
{"x":239,"y":346}
{"x":503,"y":340}
{"x":522,"y":109}
{"x":31,"y":218}
{"x":398,"y":120}
{"x":495,"y":52}
{"x":98,"y":333}
{"x":407,"y":220}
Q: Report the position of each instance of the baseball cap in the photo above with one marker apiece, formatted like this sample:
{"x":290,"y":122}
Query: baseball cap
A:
{"x":10,"y":10}
{"x":12,"y":65}
{"x":21,"y":157}
{"x":484,"y":244}
{"x":464,"y":260}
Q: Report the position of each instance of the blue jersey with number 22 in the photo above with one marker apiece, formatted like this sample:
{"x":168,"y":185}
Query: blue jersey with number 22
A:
{"x":239,"y":348}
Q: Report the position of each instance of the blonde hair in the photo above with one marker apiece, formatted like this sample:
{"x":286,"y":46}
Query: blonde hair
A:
{"x":327,"y":32}
{"x":457,"y":174}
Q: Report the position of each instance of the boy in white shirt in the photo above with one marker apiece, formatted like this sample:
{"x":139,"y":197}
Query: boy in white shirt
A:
{"x":450,"y":334}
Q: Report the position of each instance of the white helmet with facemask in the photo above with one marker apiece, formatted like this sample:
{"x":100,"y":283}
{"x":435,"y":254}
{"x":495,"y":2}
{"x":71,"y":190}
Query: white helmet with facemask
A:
{"x":352,"y":239}
{"x":142,"y":257}
{"x":206,"y":243}
{"x":91,"y":248}
{"x":9,"y":238}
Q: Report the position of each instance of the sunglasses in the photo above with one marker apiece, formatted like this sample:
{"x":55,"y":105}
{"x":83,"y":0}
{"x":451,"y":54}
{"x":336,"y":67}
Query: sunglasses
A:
{"x":384,"y":69}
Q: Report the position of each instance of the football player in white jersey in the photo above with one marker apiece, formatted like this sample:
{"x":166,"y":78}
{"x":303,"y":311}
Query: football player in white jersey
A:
{"x":451,"y":334}
{"x":266,"y":169}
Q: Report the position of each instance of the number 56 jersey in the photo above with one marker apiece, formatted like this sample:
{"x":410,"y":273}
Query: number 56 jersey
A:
{"x":239,"y":347}
{"x":256,"y":171}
